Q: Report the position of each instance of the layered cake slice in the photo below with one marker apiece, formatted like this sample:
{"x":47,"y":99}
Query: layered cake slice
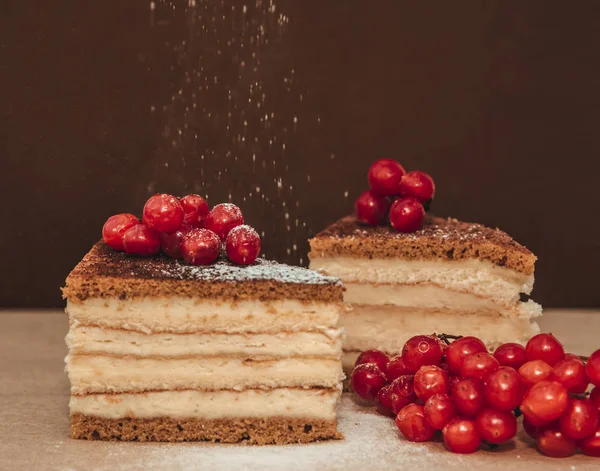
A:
{"x":164,"y":351}
{"x":447,"y":277}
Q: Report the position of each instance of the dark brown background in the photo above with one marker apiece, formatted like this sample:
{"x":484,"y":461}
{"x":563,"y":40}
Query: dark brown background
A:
{"x":104,"y":103}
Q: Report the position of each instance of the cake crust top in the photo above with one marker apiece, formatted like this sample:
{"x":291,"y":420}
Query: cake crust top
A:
{"x":439,"y":238}
{"x":104,"y":272}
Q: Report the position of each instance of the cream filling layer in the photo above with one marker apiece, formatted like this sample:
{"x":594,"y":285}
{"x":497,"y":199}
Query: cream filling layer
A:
{"x":186,"y":315}
{"x":108,"y":374}
{"x":309,"y":403}
{"x":90,"y":340}
{"x":476,"y":276}
{"x":387,"y":328}
{"x":426,"y":296}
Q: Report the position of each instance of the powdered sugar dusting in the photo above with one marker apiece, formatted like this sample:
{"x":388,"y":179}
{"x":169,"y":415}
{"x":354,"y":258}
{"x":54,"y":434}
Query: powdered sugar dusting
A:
{"x":261,"y":270}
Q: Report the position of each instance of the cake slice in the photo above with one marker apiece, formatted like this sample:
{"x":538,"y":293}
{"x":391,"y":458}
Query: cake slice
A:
{"x":164,"y":351}
{"x":448,"y":277}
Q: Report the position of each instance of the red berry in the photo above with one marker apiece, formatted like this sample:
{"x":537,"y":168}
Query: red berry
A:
{"x":411,"y":422}
{"x":439,"y":410}
{"x":535,"y":371}
{"x":376,"y":357}
{"x":580,"y":420}
{"x":407,"y":214}
{"x":552,"y":442}
{"x":590,"y":446}
{"x":532,"y":429}
{"x":595,"y":396}
{"x":385,"y":176}
{"x":417,"y":184}
{"x":421,"y":350}
{"x":171,"y":243}
{"x":545,"y":347}
{"x":459,"y":349}
{"x":496,"y":426}
{"x":545,"y":401}
{"x":115,"y":228}
{"x":396,"y":368}
{"x":371,"y":209}
{"x":222,"y":218}
{"x":141,"y":240}
{"x":571,"y":373}
{"x":468,"y":397}
{"x":511,"y":354}
{"x":461,"y":436}
{"x":195,"y":210}
{"x":384,"y":401}
{"x":403,"y":392}
{"x":242,"y":245}
{"x":430,"y":380}
{"x":366,"y":380}
{"x":592,"y":368}
{"x":452,"y":380}
{"x":200,"y":247}
{"x":504,"y":389}
{"x":163,"y":213}
{"x":479,"y":366}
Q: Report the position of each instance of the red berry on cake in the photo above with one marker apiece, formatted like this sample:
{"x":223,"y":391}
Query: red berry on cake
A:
{"x":242,"y":245}
{"x":385,"y":176}
{"x":417,"y":184}
{"x":371,"y":209}
{"x":222,"y":218}
{"x":200,"y":247}
{"x":163,"y":213}
{"x":115,"y":228}
{"x":407,"y":214}
{"x":141,"y":240}
{"x":171,"y":243}
{"x":195,"y":210}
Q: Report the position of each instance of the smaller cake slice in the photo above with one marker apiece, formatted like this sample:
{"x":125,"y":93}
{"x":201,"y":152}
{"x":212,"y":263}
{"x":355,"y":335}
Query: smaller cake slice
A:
{"x":164,"y":351}
{"x":448,"y":277}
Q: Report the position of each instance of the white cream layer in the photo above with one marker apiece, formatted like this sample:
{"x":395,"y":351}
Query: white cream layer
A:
{"x":475,"y":276}
{"x":308,"y":403}
{"x":90,"y":340}
{"x":108,"y":374}
{"x":186,"y":315}
{"x":427,"y":296}
{"x":387,"y":328}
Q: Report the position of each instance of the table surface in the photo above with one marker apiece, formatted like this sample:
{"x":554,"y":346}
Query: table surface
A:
{"x":34,"y":423}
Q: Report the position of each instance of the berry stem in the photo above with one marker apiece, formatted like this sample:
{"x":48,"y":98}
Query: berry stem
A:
{"x":447,"y":337}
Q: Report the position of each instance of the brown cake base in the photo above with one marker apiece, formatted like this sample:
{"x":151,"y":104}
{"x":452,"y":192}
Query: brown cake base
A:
{"x":271,"y":431}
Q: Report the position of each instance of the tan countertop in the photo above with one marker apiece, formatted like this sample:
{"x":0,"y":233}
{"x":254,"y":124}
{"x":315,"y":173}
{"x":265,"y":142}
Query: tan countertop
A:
{"x":34,"y":424}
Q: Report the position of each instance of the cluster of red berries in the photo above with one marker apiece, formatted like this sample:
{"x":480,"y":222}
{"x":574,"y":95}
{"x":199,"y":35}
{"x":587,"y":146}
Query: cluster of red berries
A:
{"x":184,"y":228}
{"x":402,"y":197}
{"x":473,"y":396}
